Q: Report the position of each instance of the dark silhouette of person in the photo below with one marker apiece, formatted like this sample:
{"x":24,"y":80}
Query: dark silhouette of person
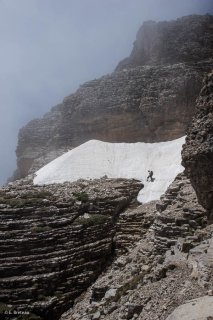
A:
{"x":150,"y":176}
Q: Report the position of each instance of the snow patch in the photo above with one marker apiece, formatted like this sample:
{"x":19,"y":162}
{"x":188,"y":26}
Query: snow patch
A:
{"x":94,"y":159}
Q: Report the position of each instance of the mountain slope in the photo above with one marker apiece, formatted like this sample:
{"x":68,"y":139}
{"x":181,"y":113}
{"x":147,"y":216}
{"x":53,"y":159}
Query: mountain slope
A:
{"x":150,"y":101}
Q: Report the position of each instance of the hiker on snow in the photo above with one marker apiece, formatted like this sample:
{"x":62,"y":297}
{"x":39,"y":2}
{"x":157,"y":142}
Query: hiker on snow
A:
{"x":150,"y":176}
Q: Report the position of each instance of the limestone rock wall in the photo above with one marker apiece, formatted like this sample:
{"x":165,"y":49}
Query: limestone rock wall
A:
{"x":179,"y":214}
{"x":198,"y":151}
{"x":132,"y":225}
{"x":56,"y":240}
{"x":148,"y":99}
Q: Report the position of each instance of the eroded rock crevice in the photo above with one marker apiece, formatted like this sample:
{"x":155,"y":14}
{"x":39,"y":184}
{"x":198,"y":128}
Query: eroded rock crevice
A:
{"x":198,"y":150}
{"x":171,"y":263}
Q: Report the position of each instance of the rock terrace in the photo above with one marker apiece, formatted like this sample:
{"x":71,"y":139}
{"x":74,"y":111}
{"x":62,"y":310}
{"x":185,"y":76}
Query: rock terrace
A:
{"x":55,"y":240}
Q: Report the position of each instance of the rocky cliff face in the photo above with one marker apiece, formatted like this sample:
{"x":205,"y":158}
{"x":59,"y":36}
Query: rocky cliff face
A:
{"x":171,"y":263}
{"x":88,"y":245}
{"x":188,"y":39}
{"x":150,"y":100}
{"x":56,"y":240}
{"x":198,"y":150}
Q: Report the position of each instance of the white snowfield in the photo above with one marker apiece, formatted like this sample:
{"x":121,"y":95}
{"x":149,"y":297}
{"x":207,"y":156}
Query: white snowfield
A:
{"x":94,"y":159}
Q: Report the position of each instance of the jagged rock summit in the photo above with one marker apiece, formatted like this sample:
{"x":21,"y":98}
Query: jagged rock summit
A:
{"x":150,"y":100}
{"x":187,"y":40}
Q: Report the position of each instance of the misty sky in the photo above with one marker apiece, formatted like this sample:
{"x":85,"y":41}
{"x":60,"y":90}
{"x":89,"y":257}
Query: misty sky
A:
{"x":49,"y":47}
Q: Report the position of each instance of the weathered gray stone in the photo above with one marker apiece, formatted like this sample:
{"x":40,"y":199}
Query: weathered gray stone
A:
{"x":196,"y":309}
{"x":53,"y":246}
{"x":155,"y":275}
{"x":198,"y":151}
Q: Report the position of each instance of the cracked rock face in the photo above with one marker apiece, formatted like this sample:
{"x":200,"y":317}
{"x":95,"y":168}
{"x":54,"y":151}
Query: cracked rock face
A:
{"x":55,"y":240}
{"x":197,"y":153}
{"x":149,"y":101}
{"x":170,"y":264}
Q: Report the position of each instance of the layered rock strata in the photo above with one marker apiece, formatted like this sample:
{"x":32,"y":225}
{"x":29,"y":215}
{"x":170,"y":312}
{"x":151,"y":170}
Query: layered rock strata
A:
{"x":132,"y":225}
{"x":198,"y":151}
{"x":150,"y":100}
{"x":169,"y":265}
{"x":55,"y":240}
{"x":179,"y":214}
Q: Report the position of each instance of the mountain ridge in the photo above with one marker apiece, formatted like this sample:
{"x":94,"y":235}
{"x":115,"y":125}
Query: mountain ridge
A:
{"x":146,"y":103}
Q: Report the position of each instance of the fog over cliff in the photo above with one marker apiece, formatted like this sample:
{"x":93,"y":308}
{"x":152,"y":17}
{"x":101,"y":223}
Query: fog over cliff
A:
{"x":48,"y":48}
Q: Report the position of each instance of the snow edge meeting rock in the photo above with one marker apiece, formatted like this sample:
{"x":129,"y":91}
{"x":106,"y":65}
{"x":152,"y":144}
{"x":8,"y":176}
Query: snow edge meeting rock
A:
{"x":95,"y":159}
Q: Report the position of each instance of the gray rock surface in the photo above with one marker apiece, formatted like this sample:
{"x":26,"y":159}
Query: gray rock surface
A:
{"x":198,"y":151}
{"x":196,"y":309}
{"x":55,"y":240}
{"x":170,"y":264}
